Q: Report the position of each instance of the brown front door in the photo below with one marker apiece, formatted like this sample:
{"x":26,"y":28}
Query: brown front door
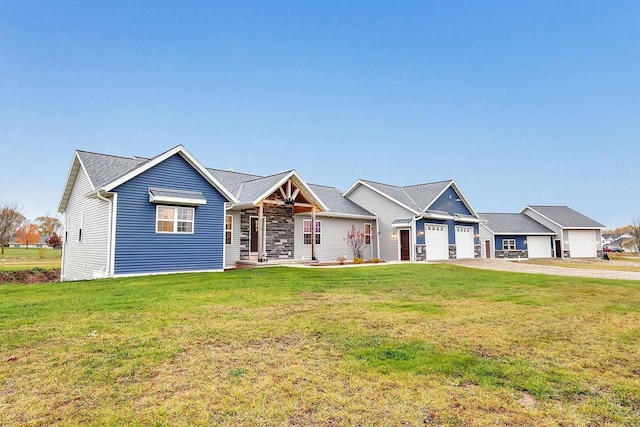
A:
{"x":254,"y":234}
{"x":487,"y":248}
{"x":558,"y":249}
{"x":405,"y":255}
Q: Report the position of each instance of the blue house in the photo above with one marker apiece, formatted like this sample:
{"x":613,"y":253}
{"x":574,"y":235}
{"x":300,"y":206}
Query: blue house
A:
{"x":133,"y":216}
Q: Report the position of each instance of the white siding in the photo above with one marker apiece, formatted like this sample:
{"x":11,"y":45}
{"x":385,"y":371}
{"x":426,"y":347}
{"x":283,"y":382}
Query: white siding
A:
{"x":387,"y":212}
{"x":82,"y":258}
{"x":334,"y":230}
{"x":232,"y":252}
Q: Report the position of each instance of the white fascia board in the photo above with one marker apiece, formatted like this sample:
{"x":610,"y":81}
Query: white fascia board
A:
{"x":487,"y":228}
{"x":360,"y":182}
{"x":430,"y":215}
{"x":341,"y":215}
{"x":459,"y":193}
{"x":543,"y":216}
{"x":353,"y":187}
{"x":176,"y":201}
{"x":76,"y":165}
{"x":301,"y":184}
{"x":164,"y":156}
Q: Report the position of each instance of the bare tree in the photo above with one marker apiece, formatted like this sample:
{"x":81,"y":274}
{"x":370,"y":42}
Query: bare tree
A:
{"x":10,"y":220}
{"x":49,"y":225}
{"x":635,"y":231}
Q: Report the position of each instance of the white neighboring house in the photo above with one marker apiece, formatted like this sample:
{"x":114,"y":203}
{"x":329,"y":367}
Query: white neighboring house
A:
{"x":575,"y":235}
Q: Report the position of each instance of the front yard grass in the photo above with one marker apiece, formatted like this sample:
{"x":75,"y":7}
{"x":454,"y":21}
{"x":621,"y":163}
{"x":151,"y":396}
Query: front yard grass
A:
{"x":380,"y":345}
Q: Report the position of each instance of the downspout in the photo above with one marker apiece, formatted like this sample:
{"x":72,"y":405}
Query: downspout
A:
{"x":109,"y":225}
{"x":377,"y":240}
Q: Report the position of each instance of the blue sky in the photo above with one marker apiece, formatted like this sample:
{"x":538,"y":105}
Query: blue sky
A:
{"x":520,"y":102}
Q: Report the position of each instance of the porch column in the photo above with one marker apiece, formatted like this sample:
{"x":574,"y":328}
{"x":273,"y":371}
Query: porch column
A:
{"x":313,"y":234}
{"x":261,"y":250}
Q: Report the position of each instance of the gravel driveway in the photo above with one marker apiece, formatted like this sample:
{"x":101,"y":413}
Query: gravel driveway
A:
{"x":523,"y":267}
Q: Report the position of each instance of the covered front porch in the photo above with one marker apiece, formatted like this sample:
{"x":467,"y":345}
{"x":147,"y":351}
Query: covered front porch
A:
{"x":267,"y":227}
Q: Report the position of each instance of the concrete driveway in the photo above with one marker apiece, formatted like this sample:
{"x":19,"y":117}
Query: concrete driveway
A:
{"x":523,"y":267}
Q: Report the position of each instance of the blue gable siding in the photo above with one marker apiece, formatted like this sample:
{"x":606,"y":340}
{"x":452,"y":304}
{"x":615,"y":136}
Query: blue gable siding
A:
{"x":139,"y":249}
{"x":447,"y":203}
{"x":520,"y":245}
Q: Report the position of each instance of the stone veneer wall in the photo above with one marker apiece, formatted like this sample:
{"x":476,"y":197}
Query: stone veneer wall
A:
{"x":280,"y":231}
{"x":421,"y":253}
{"x":512,"y":254}
{"x":477,"y":251}
{"x":453,"y":253}
{"x":245,"y":235}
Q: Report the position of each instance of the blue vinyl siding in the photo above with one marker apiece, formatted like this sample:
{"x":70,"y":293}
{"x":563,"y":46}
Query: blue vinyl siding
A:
{"x":520,"y":245}
{"x":447,"y":203}
{"x":139,"y":249}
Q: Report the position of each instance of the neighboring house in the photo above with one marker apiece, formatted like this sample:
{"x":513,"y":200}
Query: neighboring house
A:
{"x":273,"y":216}
{"x":514,"y":235}
{"x":41,"y":243}
{"x":133,"y":216}
{"x":575,"y":235}
{"x":432,"y":221}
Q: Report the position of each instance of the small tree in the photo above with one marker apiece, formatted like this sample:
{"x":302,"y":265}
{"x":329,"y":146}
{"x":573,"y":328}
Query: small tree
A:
{"x":54,"y":241}
{"x":10,"y":219}
{"x":635,"y":232}
{"x":357,"y":240}
{"x":27,"y":234}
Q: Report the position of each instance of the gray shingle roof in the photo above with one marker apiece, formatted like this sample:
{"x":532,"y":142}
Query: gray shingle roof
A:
{"x":513,"y":223}
{"x":566,"y":217}
{"x":336,"y":202}
{"x":231,"y":180}
{"x":257,"y":187}
{"x":425,"y":194}
{"x":103,"y":168}
{"x":416,"y":197}
{"x":396,"y":193}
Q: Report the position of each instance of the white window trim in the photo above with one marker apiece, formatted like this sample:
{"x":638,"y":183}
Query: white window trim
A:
{"x":318,"y":235}
{"x":505,"y":244}
{"x":230,"y":230}
{"x":175,"y":220}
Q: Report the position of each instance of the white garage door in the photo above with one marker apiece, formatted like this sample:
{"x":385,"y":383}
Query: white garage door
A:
{"x":464,"y":242}
{"x":539,"y":246}
{"x":437,"y":241}
{"x":582,"y":243}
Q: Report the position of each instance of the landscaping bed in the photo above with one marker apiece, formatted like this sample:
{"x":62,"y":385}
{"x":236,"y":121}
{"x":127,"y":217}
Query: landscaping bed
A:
{"x":35,"y":275}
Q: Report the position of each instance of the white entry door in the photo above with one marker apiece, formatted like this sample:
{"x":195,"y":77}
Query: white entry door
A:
{"x":436,"y":241}
{"x":464,"y":242}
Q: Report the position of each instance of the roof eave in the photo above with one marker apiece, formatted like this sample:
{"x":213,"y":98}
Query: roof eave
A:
{"x":383,"y":194}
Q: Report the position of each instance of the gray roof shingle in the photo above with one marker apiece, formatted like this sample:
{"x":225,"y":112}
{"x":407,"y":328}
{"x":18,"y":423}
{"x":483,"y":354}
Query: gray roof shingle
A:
{"x":103,"y":168}
{"x":336,"y":202}
{"x":513,"y":223}
{"x":566,"y":217}
{"x":425,"y":194}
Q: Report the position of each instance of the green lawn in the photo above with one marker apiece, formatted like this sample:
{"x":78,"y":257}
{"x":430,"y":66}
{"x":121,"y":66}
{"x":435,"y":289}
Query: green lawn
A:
{"x":24,"y":259}
{"x":379,"y":345}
